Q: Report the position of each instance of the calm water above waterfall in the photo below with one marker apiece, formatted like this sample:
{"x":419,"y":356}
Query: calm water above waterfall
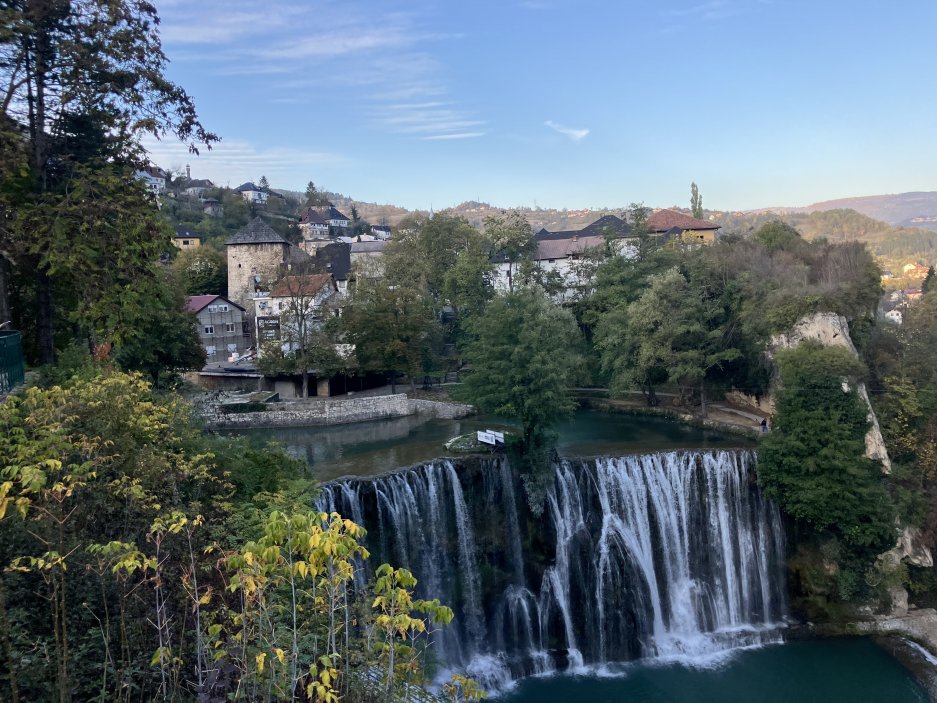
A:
{"x":369,"y":448}
{"x":670,"y":555}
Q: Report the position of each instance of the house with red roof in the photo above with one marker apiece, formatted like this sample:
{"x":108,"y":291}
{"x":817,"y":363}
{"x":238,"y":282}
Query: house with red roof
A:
{"x":679,"y":227}
{"x":223,"y":328}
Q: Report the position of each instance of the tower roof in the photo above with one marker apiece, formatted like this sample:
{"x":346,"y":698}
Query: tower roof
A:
{"x":256,"y":232}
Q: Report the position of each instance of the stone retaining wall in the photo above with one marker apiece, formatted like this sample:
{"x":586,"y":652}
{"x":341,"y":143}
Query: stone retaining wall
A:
{"x":441,"y":410}
{"x":336,"y":412}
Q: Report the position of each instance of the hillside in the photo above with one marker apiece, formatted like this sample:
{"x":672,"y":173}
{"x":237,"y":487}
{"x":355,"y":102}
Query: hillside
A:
{"x":917,"y":209}
{"x":842,"y":225}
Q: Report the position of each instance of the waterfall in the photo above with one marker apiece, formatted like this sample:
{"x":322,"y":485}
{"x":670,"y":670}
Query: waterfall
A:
{"x":670,"y":555}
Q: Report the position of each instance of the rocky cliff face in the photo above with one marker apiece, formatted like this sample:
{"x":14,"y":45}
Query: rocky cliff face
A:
{"x":832,"y":330}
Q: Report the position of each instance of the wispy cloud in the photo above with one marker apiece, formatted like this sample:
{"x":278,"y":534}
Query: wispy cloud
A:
{"x":577,"y":135}
{"x":711,"y":9}
{"x":456,"y":135}
{"x":384,"y":61}
{"x":234,"y":161}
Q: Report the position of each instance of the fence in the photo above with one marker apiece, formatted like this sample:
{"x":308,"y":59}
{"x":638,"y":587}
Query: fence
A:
{"x":11,"y":361}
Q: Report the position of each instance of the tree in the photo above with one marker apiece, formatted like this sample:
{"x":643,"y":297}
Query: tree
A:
{"x":427,"y":251}
{"x":928,"y":281}
{"x":99,"y":242}
{"x":305,"y":345}
{"x":671,"y":333}
{"x":315,"y":198}
{"x":511,"y":237}
{"x":696,"y":202}
{"x":264,"y":183}
{"x":393,"y":329}
{"x":202,"y":271}
{"x":165,"y":341}
{"x":813,"y":462}
{"x":467,"y":284}
{"x":80,"y":81}
{"x":523,"y":357}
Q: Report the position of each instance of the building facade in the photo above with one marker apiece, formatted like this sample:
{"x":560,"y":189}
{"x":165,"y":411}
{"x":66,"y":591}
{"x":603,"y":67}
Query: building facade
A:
{"x":223,"y":328}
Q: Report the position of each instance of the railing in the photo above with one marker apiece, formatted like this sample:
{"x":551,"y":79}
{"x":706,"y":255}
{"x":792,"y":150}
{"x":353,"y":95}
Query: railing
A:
{"x":11,"y":361}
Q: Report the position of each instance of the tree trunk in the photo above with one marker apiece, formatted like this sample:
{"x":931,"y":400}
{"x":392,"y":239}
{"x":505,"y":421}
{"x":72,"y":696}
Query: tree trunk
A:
{"x":305,"y":381}
{"x":393,"y":382}
{"x":44,"y":323}
{"x":651,"y":396}
{"x":702,"y":397}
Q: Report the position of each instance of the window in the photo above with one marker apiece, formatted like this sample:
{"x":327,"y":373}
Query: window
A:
{"x":210,"y":351}
{"x":232,"y":348}
{"x":185,"y":242}
{"x":209,"y":329}
{"x":229,"y":327}
{"x":222,"y":308}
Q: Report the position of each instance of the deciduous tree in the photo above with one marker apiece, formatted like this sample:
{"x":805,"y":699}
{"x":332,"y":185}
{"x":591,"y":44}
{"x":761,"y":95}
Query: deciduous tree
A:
{"x":524,"y":356}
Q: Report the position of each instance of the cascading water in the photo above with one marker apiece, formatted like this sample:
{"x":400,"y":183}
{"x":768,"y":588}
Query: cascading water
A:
{"x":662,"y":555}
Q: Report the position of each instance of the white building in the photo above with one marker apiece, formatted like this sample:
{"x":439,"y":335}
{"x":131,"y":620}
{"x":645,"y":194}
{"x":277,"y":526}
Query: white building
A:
{"x":253,"y":193}
{"x":570,"y":257}
{"x":154,"y":179}
{"x":294,"y":308}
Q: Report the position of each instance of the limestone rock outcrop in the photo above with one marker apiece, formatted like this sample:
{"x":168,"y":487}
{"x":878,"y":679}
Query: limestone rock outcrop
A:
{"x":832,"y":330}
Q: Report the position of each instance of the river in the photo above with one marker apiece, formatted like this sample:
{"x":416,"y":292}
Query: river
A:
{"x":371,"y":448}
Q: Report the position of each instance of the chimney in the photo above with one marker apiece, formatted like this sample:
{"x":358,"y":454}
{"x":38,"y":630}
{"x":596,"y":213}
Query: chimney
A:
{"x":188,"y":173}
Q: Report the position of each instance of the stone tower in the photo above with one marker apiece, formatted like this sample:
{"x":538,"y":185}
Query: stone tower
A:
{"x":255,"y":253}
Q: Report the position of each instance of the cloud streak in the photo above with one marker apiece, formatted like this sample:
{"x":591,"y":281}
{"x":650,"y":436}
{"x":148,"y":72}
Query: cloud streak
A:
{"x":577,"y":135}
{"x":304,"y":48}
{"x":456,"y":135}
{"x":235,"y":161}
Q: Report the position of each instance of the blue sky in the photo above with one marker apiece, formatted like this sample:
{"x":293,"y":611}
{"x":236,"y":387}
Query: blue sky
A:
{"x":562,"y":103}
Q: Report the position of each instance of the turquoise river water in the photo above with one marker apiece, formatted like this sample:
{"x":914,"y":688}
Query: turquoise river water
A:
{"x":854,"y":670}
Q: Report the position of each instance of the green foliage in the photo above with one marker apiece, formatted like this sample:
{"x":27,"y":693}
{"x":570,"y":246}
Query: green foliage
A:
{"x":671,"y":333}
{"x":165,"y":341}
{"x":523,"y":357}
{"x":780,"y":236}
{"x":510,"y":236}
{"x":928,"y":283}
{"x":813,"y":461}
{"x":696,"y":202}
{"x":202,"y":271}
{"x":315,"y":198}
{"x":426,"y":254}
{"x":393,"y":329}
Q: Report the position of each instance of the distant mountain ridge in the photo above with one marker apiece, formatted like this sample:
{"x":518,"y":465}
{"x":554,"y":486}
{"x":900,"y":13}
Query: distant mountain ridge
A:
{"x":915,"y":209}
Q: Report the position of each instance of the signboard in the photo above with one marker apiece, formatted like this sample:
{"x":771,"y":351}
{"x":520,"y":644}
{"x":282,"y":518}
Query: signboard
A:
{"x":268,"y":328}
{"x":490,"y":437}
